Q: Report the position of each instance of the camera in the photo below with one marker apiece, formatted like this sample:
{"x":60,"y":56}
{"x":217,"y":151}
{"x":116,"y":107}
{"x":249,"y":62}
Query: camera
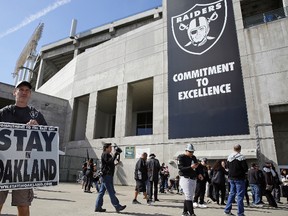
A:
{"x":117,"y":148}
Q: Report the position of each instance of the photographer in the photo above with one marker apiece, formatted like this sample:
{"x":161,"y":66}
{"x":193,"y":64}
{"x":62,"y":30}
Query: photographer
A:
{"x":107,"y":169}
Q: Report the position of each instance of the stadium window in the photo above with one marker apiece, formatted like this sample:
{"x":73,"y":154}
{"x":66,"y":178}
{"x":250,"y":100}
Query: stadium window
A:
{"x":255,"y":12}
{"x":144,"y":125}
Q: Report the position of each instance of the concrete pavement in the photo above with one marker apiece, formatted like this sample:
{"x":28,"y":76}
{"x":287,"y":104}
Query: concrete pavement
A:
{"x":69,"y":199}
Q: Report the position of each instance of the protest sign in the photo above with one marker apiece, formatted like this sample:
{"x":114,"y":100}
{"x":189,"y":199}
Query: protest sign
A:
{"x":28,"y":156}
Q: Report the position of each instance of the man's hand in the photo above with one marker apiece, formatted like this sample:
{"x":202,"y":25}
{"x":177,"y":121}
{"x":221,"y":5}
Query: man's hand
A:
{"x":32,"y":122}
{"x":194,"y":166}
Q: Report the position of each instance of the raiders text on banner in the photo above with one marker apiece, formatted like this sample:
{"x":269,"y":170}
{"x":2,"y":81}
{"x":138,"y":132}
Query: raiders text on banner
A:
{"x":205,"y":83}
{"x":28,"y":156}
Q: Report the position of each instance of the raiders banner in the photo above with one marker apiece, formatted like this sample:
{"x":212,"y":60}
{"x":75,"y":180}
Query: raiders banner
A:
{"x":205,"y":84}
{"x":28,"y":156}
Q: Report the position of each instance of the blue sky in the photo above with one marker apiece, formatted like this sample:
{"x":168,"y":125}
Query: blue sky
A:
{"x":19,"y":19}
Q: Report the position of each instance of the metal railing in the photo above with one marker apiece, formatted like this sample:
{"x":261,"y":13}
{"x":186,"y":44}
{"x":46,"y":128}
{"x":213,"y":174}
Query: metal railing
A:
{"x":266,"y":17}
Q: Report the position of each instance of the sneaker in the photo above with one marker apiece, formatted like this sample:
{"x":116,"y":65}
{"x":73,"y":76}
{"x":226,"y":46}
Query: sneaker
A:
{"x":195,"y":205}
{"x":185,"y":214}
{"x":100,"y":210}
{"x":257,"y":205}
{"x":202,"y":206}
{"x":156,"y":200}
{"x":149,"y":203}
{"x":135,"y":202}
{"x":230,"y":213}
{"x":120,"y":208}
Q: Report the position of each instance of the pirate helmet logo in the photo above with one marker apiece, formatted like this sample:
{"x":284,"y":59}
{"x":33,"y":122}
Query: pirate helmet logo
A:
{"x":197,"y":25}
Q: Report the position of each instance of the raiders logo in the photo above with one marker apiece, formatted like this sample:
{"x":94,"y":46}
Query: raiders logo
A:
{"x":33,"y":113}
{"x":197,"y":30}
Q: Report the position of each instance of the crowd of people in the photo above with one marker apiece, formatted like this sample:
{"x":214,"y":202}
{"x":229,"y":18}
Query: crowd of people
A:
{"x":90,"y":176}
{"x":224,"y":182}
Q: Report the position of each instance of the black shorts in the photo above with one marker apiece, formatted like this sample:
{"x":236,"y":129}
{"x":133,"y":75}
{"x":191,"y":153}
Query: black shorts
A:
{"x":140,"y":186}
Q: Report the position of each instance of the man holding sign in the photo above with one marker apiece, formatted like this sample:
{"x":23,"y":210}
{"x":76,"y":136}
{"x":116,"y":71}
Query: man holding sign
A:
{"x":23,"y":114}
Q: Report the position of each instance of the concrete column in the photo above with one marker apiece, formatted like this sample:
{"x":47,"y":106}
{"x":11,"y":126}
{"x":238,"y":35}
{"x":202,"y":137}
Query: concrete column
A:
{"x":158,"y":105}
{"x":40,"y":75}
{"x":91,"y":116}
{"x":76,"y":45}
{"x":121,"y":124}
{"x":285,"y":6}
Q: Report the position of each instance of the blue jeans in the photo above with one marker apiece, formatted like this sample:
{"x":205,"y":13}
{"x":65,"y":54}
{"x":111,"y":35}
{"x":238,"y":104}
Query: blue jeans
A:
{"x":237,"y":187}
{"x":107,"y":184}
{"x":255,"y":189}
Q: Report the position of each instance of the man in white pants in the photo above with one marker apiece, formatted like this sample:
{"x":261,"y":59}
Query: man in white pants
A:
{"x":187,"y":165}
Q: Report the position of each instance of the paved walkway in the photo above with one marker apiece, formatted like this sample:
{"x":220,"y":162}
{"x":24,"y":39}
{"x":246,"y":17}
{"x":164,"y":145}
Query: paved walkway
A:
{"x":68,"y":199}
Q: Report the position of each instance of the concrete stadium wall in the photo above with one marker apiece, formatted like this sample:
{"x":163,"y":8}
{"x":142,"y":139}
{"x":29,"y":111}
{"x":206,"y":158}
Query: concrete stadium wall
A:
{"x":141,"y":54}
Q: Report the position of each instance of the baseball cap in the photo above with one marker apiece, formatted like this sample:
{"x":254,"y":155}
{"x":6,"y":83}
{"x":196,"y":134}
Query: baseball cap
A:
{"x":23,"y":83}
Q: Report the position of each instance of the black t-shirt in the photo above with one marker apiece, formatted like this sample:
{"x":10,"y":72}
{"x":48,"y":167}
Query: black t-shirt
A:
{"x":21,"y":115}
{"x":141,"y":171}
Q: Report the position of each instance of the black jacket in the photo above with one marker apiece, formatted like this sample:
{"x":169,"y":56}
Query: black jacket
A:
{"x":153,"y":167}
{"x":237,"y":166}
{"x":204,"y":171}
{"x":184,"y":166}
{"x":107,"y":164}
{"x":254,"y":176}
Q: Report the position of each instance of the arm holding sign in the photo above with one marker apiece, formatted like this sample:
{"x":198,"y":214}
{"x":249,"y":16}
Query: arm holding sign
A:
{"x":23,"y":114}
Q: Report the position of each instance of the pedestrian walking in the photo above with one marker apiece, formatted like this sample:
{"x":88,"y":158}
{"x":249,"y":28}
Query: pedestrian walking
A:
{"x":107,"y":170}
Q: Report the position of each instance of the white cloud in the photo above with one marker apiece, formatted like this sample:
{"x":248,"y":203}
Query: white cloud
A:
{"x":35,"y":16}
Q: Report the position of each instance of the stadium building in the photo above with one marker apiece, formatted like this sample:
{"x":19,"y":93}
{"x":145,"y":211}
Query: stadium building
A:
{"x":213,"y":73}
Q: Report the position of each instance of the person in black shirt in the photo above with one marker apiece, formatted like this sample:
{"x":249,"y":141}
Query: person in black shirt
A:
{"x":187,"y":165}
{"x":107,"y":169}
{"x":89,"y":176}
{"x":218,"y":180}
{"x":201,"y":184}
{"x":153,"y":167}
{"x":238,"y":168}
{"x":141,"y":177}
{"x":255,"y":184}
{"x":21,"y":113}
